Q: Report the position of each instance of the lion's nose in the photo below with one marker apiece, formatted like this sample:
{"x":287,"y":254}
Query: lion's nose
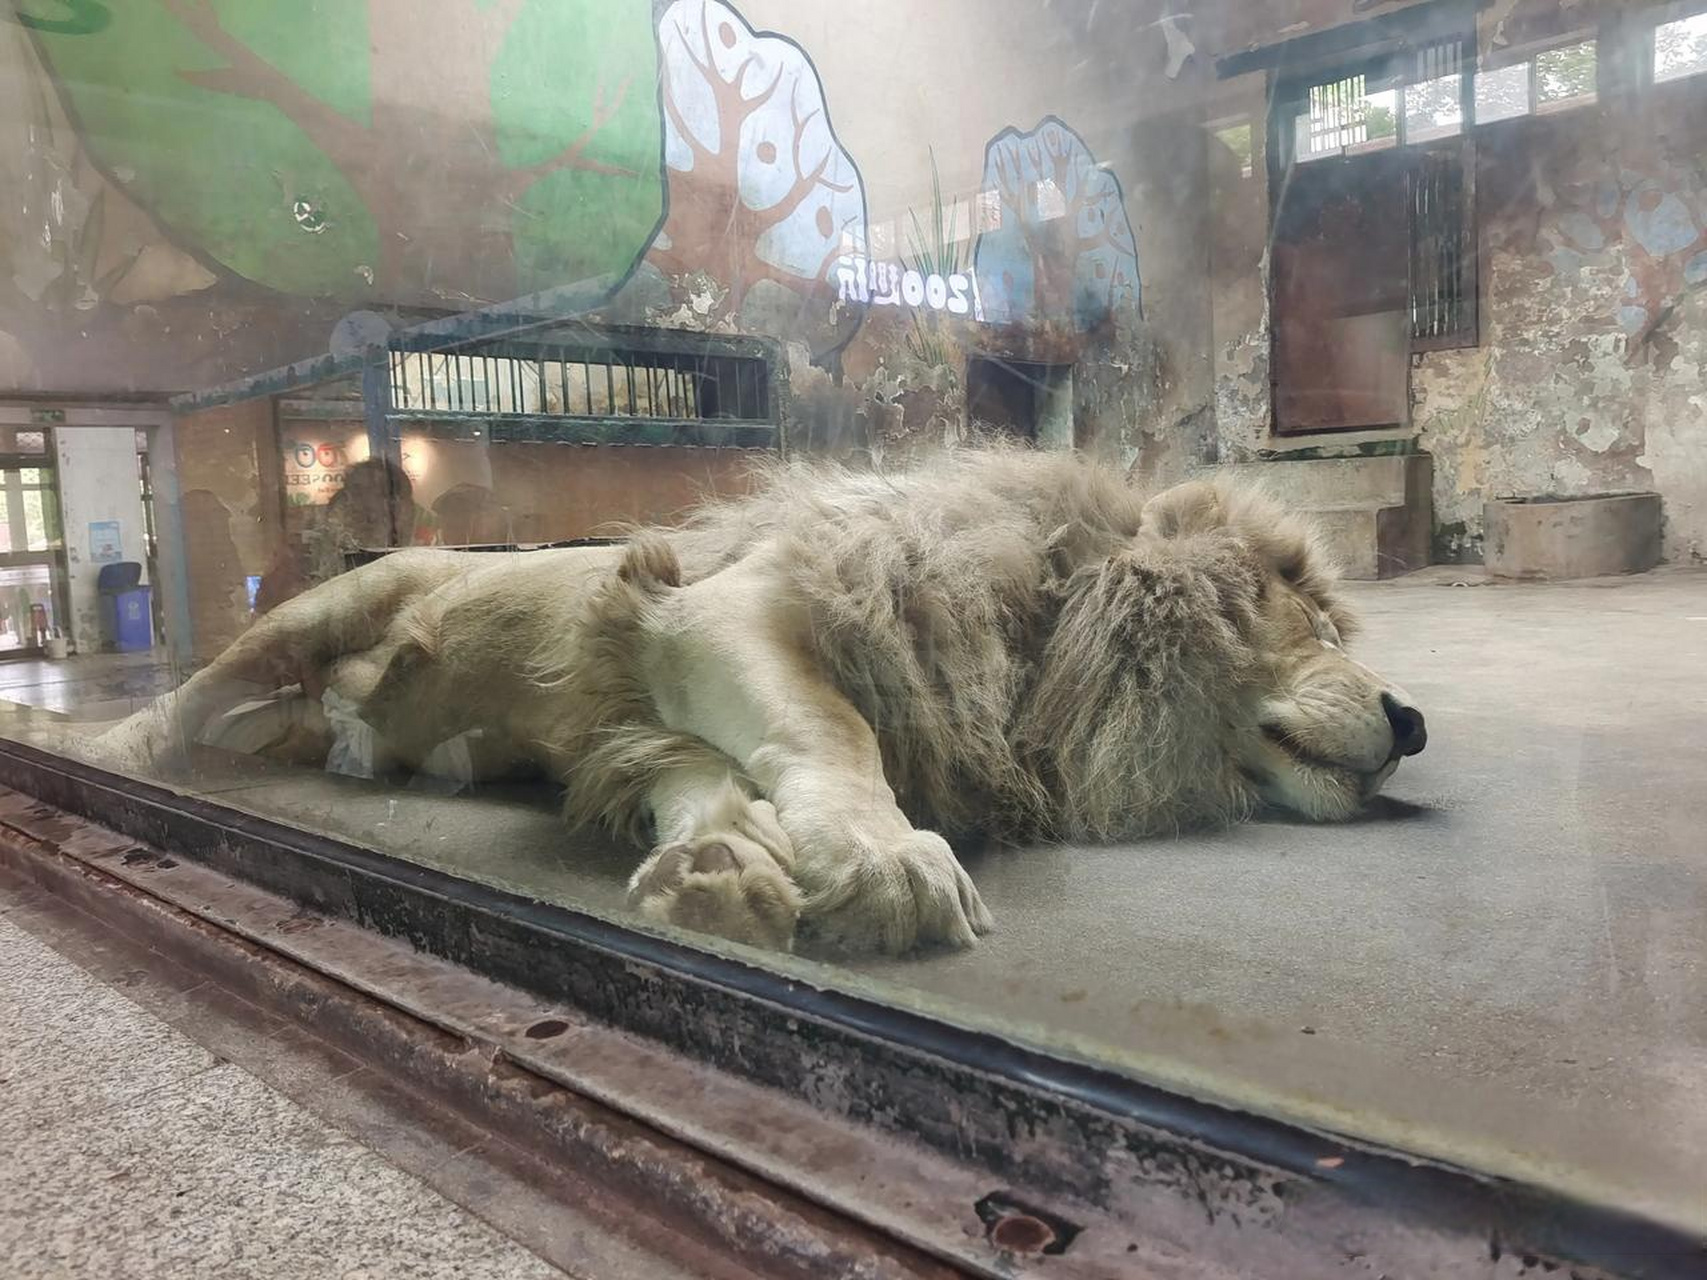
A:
{"x":1410,"y":732}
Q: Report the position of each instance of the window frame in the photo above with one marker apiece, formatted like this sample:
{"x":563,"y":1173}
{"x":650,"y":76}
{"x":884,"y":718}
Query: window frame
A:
{"x":503,"y":333}
{"x":1645,"y":26}
{"x":1290,"y":90}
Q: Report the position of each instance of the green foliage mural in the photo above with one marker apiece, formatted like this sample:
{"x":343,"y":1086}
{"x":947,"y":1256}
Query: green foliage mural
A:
{"x":443,"y":153}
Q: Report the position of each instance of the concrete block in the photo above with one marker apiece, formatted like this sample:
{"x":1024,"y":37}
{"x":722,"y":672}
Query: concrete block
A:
{"x":1375,"y":514}
{"x":1576,"y":537}
{"x":1333,"y":484}
{"x":1350,"y":538}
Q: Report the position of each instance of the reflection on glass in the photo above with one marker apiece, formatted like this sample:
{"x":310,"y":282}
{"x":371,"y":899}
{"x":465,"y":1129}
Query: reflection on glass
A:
{"x":1344,"y":117}
{"x":1434,"y":108}
{"x":1502,"y":93}
{"x":1051,"y":200}
{"x":26,"y":606}
{"x":596,"y":262}
{"x":1565,"y":77}
{"x":1680,"y":48}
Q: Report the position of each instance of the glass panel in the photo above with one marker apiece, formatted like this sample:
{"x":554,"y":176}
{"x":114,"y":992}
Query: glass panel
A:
{"x":1565,"y":77}
{"x":1680,"y":48}
{"x":1502,"y":93}
{"x":898,"y":329}
{"x":1346,"y":115}
{"x":1434,"y":108}
{"x":40,"y":520}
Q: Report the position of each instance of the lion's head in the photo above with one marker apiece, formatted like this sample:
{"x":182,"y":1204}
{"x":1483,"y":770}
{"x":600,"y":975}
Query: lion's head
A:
{"x":1313,"y":731}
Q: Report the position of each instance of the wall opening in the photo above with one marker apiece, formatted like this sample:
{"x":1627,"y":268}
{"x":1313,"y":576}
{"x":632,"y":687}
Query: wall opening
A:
{"x":1021,"y":399}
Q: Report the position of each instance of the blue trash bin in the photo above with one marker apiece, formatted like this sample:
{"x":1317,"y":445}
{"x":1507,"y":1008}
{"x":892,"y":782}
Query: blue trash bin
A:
{"x":133,"y":611}
{"x":127,"y":608}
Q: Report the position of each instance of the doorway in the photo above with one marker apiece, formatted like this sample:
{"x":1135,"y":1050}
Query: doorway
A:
{"x":1021,"y":399}
{"x":32,"y":546}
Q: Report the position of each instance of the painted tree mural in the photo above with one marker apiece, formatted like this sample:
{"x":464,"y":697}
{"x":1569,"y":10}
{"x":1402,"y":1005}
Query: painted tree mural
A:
{"x":403,"y":151}
{"x":760,"y":189}
{"x":1064,"y":254}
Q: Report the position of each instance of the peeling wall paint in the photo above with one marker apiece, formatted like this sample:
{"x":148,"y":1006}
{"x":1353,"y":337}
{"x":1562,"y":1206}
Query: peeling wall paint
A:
{"x":1593,"y":256}
{"x":1589,"y":374}
{"x":1238,"y":206}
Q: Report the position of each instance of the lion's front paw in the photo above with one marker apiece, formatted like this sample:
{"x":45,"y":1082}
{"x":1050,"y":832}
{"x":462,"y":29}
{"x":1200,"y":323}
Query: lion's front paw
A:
{"x":724,"y":884}
{"x":894,"y":896}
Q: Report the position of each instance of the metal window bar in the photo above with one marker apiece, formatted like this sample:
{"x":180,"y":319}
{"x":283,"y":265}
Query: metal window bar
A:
{"x":578,"y":383}
{"x":1338,"y":116}
{"x":1438,"y":302}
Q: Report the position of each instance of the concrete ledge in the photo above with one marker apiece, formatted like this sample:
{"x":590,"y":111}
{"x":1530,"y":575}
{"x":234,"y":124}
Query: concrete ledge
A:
{"x":1333,"y":484}
{"x":1550,"y":537}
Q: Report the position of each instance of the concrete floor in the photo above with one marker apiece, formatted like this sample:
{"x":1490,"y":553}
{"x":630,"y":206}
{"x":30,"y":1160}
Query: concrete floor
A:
{"x":133,"y":1152}
{"x":87,"y":687}
{"x":1504,"y":961}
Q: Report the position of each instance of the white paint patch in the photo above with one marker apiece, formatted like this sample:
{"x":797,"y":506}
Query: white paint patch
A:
{"x":1599,"y":437}
{"x":1569,"y":474}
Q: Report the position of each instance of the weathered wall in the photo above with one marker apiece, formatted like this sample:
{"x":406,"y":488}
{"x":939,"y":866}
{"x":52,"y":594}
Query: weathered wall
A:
{"x":1593,"y":241}
{"x":97,"y":483}
{"x":1589,"y":375}
{"x":1238,"y":280}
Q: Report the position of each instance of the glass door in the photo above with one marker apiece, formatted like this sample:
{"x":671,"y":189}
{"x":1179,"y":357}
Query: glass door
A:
{"x":32,"y":552}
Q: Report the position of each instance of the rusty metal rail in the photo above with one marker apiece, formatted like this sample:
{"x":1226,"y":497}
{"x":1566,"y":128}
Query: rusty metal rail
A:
{"x":693,"y":1214}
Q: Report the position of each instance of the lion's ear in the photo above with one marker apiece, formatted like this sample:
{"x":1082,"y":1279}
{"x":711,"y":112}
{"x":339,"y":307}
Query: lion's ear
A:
{"x":1185,"y":509}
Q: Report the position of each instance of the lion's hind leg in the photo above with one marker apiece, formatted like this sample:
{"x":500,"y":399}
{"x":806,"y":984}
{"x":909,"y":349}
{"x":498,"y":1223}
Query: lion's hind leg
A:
{"x":300,"y":643}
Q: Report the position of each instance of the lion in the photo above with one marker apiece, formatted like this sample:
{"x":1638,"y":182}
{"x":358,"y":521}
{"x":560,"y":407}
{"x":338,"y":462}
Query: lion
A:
{"x":798,"y":696}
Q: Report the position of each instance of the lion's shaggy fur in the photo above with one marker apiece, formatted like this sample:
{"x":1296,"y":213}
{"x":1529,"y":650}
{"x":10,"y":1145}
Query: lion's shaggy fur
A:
{"x":1036,"y":657}
{"x":1040,"y":649}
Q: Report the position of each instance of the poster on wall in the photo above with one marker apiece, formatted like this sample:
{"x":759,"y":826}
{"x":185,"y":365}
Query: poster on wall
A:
{"x":105,"y":545}
{"x":314,"y":468}
{"x":316,"y":463}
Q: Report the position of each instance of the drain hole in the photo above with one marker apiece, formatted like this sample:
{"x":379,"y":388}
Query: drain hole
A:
{"x":1021,"y":1233}
{"x":1016,"y":1227}
{"x":546,"y":1028}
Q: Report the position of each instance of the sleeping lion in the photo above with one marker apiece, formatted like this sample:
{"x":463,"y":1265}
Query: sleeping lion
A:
{"x":800,"y":693}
